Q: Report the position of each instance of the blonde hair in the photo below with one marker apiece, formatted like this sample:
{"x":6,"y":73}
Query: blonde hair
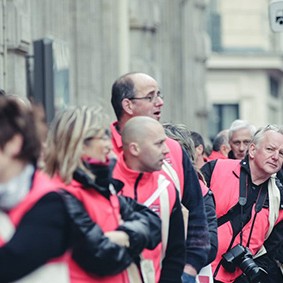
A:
{"x":68,"y":132}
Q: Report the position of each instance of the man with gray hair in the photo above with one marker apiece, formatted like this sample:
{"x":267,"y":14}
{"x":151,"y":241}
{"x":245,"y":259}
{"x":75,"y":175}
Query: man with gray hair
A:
{"x":248,"y":205}
{"x":240,"y":135}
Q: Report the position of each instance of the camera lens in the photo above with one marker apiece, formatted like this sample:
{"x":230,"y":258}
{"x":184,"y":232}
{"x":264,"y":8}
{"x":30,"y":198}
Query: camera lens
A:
{"x":241,"y":257}
{"x":252,"y":270}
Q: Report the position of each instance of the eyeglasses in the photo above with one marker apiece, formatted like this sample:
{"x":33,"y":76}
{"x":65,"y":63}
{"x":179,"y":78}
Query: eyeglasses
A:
{"x":105,"y":136}
{"x":150,"y":98}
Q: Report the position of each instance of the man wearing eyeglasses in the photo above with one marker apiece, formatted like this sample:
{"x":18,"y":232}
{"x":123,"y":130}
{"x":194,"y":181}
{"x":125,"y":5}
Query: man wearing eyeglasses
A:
{"x":138,"y":94}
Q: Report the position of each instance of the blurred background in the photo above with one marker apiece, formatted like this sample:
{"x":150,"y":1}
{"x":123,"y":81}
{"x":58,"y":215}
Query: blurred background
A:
{"x":215,"y":60}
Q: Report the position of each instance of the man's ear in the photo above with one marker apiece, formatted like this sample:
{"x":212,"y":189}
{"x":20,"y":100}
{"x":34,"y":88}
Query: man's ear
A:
{"x":252,"y":150}
{"x":127,"y":106}
{"x":224,"y":149}
{"x":14,"y":146}
{"x":134,"y":148}
{"x":200,"y":149}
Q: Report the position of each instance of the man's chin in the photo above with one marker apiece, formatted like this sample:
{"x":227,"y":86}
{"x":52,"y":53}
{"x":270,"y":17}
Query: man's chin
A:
{"x":240,"y":157}
{"x":157,"y":117}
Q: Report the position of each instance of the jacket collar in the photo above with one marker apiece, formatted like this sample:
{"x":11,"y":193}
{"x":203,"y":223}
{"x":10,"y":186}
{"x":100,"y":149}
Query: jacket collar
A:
{"x":131,"y":174}
{"x":86,"y":182}
{"x":116,"y":138}
{"x":245,"y":165}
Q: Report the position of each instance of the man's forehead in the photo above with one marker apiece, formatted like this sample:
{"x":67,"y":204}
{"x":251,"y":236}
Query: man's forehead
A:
{"x":242,"y":134}
{"x":146,"y":87}
{"x":273,"y":137}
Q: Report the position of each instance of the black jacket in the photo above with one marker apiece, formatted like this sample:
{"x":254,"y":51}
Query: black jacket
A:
{"x":141,"y":224}
{"x":209,"y":205}
{"x":198,"y":242}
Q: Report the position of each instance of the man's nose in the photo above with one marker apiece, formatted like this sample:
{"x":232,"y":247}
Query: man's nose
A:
{"x":242,"y":146}
{"x":159,"y":101}
{"x":166,"y":149}
{"x":275,"y":155}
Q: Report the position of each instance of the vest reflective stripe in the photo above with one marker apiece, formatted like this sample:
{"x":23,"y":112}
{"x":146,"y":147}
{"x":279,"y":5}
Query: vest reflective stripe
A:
{"x":162,"y":193}
{"x":145,"y":188}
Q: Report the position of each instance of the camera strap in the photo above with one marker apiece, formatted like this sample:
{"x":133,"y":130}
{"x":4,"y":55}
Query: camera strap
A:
{"x":244,"y":188}
{"x":245,"y":183}
{"x":242,"y":200}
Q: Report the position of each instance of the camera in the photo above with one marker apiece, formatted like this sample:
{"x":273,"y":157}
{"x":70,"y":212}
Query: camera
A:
{"x":241,"y":257}
{"x":276,"y":15}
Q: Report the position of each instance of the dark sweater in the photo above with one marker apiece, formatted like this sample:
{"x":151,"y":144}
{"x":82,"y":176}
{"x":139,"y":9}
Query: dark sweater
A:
{"x":198,"y":242}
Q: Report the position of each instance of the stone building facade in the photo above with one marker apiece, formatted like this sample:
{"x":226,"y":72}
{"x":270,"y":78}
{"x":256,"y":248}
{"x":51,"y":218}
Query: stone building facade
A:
{"x":95,"y":41}
{"x":245,"y":67}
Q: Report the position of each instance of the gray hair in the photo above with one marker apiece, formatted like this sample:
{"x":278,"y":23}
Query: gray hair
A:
{"x":220,"y":139}
{"x":181,"y":134}
{"x":258,"y":136}
{"x":240,"y":124}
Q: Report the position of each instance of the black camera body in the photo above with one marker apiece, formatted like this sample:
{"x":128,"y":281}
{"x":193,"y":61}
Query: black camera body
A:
{"x":241,"y":257}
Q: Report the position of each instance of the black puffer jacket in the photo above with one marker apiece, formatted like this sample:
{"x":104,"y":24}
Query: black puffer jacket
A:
{"x":141,"y":224}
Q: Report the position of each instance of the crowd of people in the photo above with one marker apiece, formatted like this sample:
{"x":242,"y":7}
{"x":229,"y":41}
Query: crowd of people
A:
{"x":136,"y":201}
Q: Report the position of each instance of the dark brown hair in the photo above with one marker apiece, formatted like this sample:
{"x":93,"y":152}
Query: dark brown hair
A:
{"x":18,"y":118}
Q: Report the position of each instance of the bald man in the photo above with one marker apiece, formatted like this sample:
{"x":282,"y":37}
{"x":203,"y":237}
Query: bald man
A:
{"x":146,"y":135}
{"x":138,"y":167}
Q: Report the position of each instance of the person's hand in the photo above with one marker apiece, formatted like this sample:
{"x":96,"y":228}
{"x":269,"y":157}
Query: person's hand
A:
{"x":189,"y":274}
{"x":189,"y":269}
{"x":118,"y":237}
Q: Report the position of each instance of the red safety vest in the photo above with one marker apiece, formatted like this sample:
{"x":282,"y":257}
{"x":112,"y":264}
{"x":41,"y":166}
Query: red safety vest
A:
{"x":55,"y":270}
{"x":174,"y":157}
{"x":225,"y":182}
{"x":147,"y":187}
{"x":104,"y":212}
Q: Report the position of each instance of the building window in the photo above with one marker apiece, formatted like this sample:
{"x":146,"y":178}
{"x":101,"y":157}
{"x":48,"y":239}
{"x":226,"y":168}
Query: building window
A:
{"x":273,"y":87}
{"x":214,"y":26}
{"x":221,"y":117}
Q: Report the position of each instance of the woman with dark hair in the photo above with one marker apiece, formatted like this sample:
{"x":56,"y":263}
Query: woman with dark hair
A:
{"x":71,"y":227}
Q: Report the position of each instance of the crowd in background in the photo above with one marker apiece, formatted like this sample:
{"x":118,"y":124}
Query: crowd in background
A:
{"x":83,"y":200}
